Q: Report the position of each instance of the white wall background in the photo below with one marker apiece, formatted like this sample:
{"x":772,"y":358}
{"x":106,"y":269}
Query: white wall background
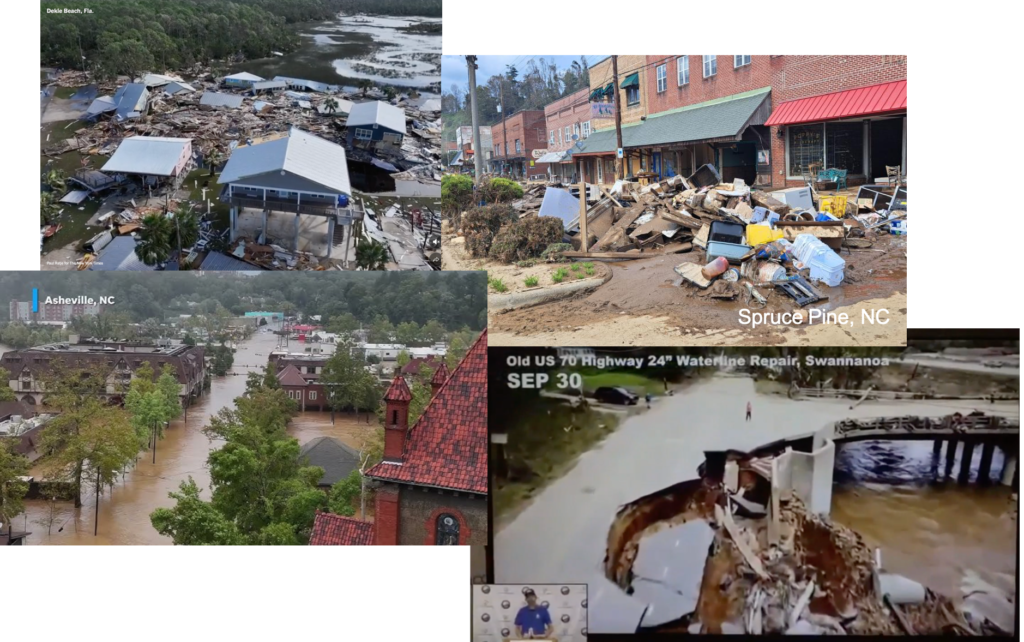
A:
{"x":495,"y":607}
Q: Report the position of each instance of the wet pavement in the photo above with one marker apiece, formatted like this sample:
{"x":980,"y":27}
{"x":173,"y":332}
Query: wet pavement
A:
{"x":561,"y":537}
{"x":124,"y":511}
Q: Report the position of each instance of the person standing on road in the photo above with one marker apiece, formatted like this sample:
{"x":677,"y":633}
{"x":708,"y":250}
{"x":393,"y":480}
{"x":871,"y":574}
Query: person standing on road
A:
{"x":648,"y":398}
{"x":748,"y":411}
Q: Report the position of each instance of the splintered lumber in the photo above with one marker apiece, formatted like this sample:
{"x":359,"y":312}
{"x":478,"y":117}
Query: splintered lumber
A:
{"x":612,"y":198}
{"x":620,"y":225}
{"x":725,"y":519}
{"x":701,"y":238}
{"x":685,"y":220}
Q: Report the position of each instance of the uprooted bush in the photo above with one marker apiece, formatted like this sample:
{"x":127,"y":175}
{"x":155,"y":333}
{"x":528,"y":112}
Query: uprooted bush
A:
{"x":554,"y":251}
{"x":456,"y":196}
{"x":501,"y":190}
{"x":526,"y":238}
{"x":480,"y":224}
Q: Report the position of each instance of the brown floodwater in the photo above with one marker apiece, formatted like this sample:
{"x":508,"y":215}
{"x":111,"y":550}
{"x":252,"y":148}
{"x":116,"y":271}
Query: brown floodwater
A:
{"x":124,"y":510}
{"x":931,"y":533}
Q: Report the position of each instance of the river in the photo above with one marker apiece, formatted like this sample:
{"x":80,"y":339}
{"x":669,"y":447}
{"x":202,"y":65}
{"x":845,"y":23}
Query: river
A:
{"x":124,"y":511}
{"x":348,"y":49}
{"x":932,"y":533}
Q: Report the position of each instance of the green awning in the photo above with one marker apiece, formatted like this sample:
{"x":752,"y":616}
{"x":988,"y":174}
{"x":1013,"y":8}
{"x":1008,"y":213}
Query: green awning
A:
{"x":597,"y":93}
{"x":632,"y":80}
{"x":609,"y":90}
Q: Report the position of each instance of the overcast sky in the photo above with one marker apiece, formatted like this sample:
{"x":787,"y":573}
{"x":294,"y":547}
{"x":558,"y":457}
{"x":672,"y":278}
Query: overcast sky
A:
{"x":453,"y":68}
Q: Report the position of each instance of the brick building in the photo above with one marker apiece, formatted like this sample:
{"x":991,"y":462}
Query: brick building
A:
{"x":432,"y":482}
{"x":515,"y":141}
{"x":300,"y":378}
{"x":464,"y":159}
{"x":116,"y":361}
{"x":848,"y":112}
{"x":767,"y":119}
{"x":596,"y":158}
{"x":568,"y":121}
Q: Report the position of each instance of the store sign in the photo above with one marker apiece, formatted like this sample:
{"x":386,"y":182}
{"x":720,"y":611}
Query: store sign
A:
{"x":602,"y":110}
{"x":537,"y":153}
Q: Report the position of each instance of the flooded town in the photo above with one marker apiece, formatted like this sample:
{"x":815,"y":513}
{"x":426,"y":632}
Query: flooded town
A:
{"x":121,"y":428}
{"x":308,"y":140}
{"x":802,"y":490}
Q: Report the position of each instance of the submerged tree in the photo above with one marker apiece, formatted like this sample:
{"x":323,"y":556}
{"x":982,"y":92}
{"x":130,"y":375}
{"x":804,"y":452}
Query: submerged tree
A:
{"x":12,"y":488}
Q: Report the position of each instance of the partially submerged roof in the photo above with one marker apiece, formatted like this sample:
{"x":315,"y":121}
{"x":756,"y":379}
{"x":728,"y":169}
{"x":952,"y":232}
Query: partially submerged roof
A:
{"x":119,"y":255}
{"x":377,"y":113}
{"x":336,"y":458}
{"x":447,"y":448}
{"x":178,"y":87}
{"x":244,"y":76}
{"x":217,"y":99}
{"x":299,"y":153}
{"x":312,"y":85}
{"x":290,"y":376}
{"x":147,"y":155}
{"x":335,"y":530}
{"x":75,"y":196}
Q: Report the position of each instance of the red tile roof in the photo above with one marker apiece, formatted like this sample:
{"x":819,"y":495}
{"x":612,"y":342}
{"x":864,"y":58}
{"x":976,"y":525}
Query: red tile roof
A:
{"x":876,"y":99}
{"x":398,"y":391}
{"x":447,"y":448}
{"x":335,"y":530}
{"x":290,"y":376}
{"x":441,"y":374}
{"x":413,"y":367}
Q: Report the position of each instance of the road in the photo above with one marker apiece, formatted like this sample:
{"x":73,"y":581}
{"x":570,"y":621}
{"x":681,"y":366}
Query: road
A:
{"x":561,"y":536}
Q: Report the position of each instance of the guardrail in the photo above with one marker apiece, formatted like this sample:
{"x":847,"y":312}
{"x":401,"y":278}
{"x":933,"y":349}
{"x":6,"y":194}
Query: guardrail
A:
{"x":892,"y":395}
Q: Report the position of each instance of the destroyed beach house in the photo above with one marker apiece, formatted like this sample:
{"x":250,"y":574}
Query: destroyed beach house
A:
{"x":376,"y":125}
{"x":242,"y":80}
{"x":128,"y":103}
{"x":295,"y":189}
{"x":154,"y":160}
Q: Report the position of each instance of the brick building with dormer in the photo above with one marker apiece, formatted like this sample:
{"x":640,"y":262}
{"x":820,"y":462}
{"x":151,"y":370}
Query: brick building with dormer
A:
{"x":432,"y":483}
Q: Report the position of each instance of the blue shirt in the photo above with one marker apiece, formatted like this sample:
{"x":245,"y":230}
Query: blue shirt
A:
{"x":533,"y":620}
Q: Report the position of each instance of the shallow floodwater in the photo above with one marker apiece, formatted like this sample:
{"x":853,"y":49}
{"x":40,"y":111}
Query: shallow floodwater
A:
{"x":348,"y":49}
{"x":932,"y":533}
{"x":124,"y":510}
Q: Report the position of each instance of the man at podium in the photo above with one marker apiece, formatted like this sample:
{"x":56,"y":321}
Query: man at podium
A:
{"x":533,"y":620}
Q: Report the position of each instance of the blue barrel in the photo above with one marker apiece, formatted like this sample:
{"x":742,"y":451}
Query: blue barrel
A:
{"x":343,"y":200}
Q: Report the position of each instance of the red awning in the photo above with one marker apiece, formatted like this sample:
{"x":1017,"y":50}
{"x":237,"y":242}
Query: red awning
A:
{"x":876,"y":99}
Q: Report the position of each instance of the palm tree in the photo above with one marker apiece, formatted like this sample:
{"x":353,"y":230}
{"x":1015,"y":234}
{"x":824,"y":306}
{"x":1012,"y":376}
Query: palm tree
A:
{"x":371,"y":255}
{"x":154,"y":244}
{"x":214,"y":157}
{"x":186,"y":226}
{"x":331,"y":105}
{"x":48,"y":207}
{"x":56,"y":180}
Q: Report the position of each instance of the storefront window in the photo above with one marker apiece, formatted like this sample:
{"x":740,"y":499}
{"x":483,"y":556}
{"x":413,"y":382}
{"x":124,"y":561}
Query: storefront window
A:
{"x":805,"y":148}
{"x":844,"y":146}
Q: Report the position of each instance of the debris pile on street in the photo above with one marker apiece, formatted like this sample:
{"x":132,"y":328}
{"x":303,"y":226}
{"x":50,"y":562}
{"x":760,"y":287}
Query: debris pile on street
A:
{"x":742,"y":241}
{"x":739,"y":554}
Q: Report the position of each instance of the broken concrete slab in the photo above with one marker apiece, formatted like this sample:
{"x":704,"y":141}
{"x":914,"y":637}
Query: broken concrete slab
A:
{"x":668,"y":570}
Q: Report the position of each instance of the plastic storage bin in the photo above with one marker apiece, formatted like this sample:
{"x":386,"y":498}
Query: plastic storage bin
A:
{"x":760,"y":234}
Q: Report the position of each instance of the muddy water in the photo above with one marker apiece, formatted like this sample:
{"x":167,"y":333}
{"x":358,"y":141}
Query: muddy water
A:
{"x":353,"y":48}
{"x":932,"y":533}
{"x":124,"y":510}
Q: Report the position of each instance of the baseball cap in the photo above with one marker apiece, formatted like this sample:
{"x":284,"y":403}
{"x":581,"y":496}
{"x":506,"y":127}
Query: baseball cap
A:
{"x":528,"y":593}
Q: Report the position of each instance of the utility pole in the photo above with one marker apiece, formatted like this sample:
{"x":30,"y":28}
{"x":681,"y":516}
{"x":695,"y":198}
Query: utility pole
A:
{"x":504,"y":132}
{"x":96,"y":519}
{"x":618,"y":119}
{"x":477,"y":163}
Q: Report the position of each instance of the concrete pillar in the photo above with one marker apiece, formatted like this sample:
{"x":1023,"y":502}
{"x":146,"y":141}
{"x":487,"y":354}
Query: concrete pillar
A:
{"x":234,"y":217}
{"x":266,"y":214}
{"x":330,"y":235}
{"x":295,"y":243}
{"x":937,"y":447}
{"x":1009,"y":474}
{"x":985,"y":466}
{"x":950,"y":456}
{"x":965,"y":462}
